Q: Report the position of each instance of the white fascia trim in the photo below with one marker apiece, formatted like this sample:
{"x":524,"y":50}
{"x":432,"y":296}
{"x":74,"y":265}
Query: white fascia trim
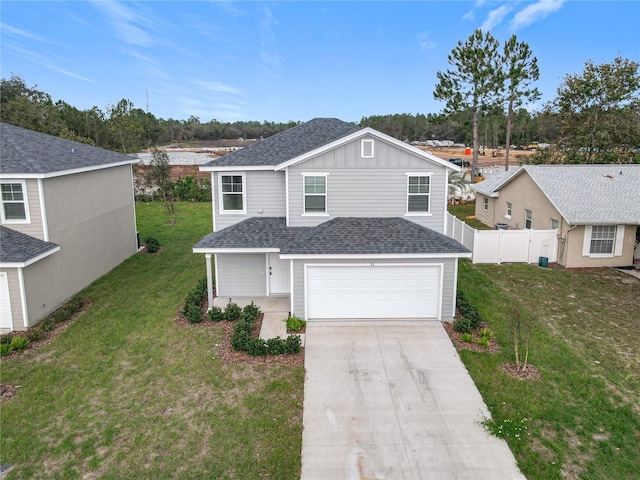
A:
{"x":235,"y":250}
{"x":31,"y":261}
{"x":236,"y":168}
{"x":23,"y":298}
{"x":43,"y":209}
{"x":371,"y":256}
{"x":286,"y":194}
{"x":73,"y":171}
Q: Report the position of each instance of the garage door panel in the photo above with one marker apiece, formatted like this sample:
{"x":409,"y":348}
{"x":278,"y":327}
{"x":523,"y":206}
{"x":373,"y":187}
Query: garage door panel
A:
{"x":373,"y":291}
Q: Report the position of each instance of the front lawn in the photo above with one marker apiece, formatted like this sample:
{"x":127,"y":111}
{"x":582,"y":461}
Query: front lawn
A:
{"x":582,"y":416}
{"x":124,"y":393}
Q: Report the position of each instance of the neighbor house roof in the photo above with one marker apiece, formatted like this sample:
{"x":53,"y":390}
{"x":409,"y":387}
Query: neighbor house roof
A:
{"x":487,"y":186}
{"x":339,"y":236}
{"x":21,"y":249}
{"x":288,"y":144}
{"x":589,"y":194}
{"x":28,"y":153}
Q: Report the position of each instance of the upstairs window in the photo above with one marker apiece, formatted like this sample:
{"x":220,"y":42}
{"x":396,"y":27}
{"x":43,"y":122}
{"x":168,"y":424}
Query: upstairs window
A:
{"x":366,"y":147}
{"x":527,"y":219}
{"x":315,"y":194}
{"x":15,"y":208}
{"x":232,"y":193}
{"x":418,"y":192}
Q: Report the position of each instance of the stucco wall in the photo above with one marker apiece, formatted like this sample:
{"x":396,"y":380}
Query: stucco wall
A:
{"x":573,"y":257}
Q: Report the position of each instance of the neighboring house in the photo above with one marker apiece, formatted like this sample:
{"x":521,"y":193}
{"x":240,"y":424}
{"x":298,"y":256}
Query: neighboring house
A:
{"x":595,"y":208}
{"x":345,"y":221}
{"x":67,"y":217}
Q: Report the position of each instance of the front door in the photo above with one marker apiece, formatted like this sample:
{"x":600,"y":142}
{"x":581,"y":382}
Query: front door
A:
{"x":278,"y":272}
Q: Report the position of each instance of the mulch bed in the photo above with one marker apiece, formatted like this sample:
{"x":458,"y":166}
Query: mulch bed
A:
{"x":456,"y":339}
{"x":226,"y":352}
{"x":530,"y":373}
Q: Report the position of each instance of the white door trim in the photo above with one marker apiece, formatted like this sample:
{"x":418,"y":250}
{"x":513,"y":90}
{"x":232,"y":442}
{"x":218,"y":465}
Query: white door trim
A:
{"x":278,"y":275}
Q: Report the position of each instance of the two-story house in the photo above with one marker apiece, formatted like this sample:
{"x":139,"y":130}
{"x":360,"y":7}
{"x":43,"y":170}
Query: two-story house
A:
{"x":345,"y":221}
{"x":67,"y":217}
{"x":594,"y":208}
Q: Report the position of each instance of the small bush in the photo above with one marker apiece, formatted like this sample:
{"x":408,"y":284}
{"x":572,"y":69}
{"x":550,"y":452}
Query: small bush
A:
{"x":232,"y":312}
{"x":295,"y":323}
{"x":485,"y":333}
{"x":153,"y":245}
{"x":462,"y":325}
{"x":483,"y":342}
{"x":466,"y":337}
{"x":215,"y":314}
{"x":19,"y":343}
{"x":5,"y":349}
{"x":6,"y":339}
{"x":66,"y":311}
{"x":47,"y":325}
{"x":192,"y":308}
{"x":35,"y":334}
{"x":251,"y":310}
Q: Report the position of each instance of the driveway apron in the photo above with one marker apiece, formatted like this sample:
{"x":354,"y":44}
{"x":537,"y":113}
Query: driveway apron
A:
{"x":392,"y":400}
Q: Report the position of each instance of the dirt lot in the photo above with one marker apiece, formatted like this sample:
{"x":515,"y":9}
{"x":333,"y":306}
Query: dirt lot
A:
{"x":487,"y":160}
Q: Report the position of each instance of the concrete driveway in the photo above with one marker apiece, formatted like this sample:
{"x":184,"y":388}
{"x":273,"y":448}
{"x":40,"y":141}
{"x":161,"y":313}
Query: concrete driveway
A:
{"x":392,"y":400}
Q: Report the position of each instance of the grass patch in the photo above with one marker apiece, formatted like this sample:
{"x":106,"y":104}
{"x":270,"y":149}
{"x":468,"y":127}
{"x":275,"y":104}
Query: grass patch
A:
{"x":465,"y":210}
{"x":124,"y":394}
{"x":583,"y":413}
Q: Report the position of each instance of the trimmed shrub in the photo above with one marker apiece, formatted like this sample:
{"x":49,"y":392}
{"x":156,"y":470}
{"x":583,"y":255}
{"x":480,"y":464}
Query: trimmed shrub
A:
{"x":462,"y":325}
{"x":468,"y":311}
{"x":153,"y":245}
{"x":232,"y":312}
{"x":215,"y":314}
{"x":192,"y":308}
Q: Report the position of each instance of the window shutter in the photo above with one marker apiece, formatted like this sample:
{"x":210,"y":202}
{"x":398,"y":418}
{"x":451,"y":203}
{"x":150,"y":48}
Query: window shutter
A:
{"x":617,"y":247}
{"x":586,"y":244}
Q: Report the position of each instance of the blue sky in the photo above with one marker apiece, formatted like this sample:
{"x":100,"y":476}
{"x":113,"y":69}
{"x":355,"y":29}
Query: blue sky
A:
{"x":281,"y":61}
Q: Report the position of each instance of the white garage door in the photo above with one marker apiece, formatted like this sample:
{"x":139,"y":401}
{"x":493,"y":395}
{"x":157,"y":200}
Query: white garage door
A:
{"x":373,"y":291}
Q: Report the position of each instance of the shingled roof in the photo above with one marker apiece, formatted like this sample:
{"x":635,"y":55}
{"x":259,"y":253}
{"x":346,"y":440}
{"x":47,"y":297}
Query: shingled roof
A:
{"x":589,"y":194}
{"x":21,"y":248}
{"x":339,"y":236}
{"x":28,"y":152}
{"x":287,"y":145}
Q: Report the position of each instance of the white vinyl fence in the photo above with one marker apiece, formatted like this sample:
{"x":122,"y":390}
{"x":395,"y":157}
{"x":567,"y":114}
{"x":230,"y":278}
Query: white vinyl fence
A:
{"x":498,"y":246}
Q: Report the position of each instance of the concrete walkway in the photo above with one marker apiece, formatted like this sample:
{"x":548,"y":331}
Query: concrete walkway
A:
{"x":392,"y":400}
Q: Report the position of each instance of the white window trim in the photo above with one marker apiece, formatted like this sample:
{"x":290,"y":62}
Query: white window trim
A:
{"x":485,"y":204}
{"x":362,"y":147}
{"x":618,"y":243}
{"x":509,"y":210}
{"x":244,"y":194}
{"x":27,"y":219}
{"x":326,"y":194}
{"x":418,"y":214}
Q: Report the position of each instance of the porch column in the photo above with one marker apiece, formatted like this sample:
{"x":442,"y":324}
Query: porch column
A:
{"x":207,"y":257}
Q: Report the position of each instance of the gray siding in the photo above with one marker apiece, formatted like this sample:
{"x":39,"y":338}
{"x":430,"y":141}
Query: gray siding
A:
{"x":265,"y":191}
{"x":241,"y":275}
{"x":35,"y":226}
{"x":91,"y":216}
{"x":448,"y":287}
{"x":368,"y":187}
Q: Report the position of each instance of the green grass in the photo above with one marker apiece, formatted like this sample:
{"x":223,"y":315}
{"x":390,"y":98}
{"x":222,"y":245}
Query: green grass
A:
{"x":124,"y":393}
{"x":582,"y":416}
{"x":465,"y":210}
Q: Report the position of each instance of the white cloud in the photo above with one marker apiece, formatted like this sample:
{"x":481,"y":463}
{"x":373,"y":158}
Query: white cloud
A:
{"x":470,"y":16}
{"x":534,"y":12}
{"x":47,"y":62}
{"x":129,"y":25}
{"x":218,"y":87}
{"x":425,"y":41}
{"x":16,"y":32}
{"x":495,"y":17}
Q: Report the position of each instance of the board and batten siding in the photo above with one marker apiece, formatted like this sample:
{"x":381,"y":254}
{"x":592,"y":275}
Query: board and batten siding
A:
{"x":241,"y":275}
{"x":35,"y":227}
{"x":448,"y":279}
{"x":265,"y":196}
{"x":367,"y":187}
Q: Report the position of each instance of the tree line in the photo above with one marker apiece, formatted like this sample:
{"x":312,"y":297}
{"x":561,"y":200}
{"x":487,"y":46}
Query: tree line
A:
{"x":594,"y":117}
